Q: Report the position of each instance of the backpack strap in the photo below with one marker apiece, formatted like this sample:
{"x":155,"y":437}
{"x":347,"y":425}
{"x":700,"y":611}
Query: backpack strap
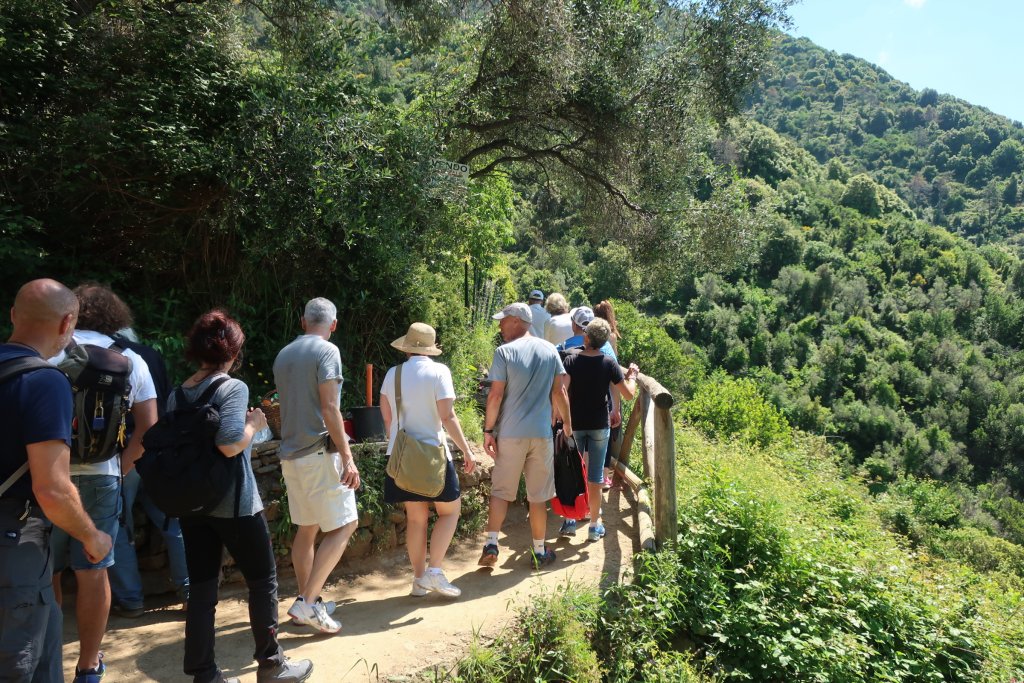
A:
{"x":14,"y":367}
{"x":203,"y":399}
{"x":180,"y":400}
{"x":10,"y":369}
{"x":211,"y":390}
{"x":239,"y":476}
{"x":398,"y":396}
{"x":18,"y":473}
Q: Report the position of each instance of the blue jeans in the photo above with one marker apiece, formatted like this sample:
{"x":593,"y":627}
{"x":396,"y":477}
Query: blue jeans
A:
{"x":101,"y":498}
{"x":125,"y":581}
{"x":593,"y":442}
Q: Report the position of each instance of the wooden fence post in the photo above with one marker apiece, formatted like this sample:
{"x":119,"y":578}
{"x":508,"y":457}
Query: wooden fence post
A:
{"x":660,"y":457}
{"x":648,"y":450}
{"x":629,"y":433}
{"x":666,"y":523}
{"x":652,"y":413}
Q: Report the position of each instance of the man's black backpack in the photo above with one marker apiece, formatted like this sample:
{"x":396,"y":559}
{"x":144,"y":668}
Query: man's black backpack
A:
{"x":101,"y":382}
{"x":183,"y":471}
{"x":10,"y":369}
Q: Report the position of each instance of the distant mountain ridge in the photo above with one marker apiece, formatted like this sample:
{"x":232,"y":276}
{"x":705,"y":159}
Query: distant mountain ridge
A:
{"x":956,"y":165}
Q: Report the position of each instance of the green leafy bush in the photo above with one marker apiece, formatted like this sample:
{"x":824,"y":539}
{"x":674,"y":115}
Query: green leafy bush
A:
{"x":549,"y":642}
{"x":726,"y":408}
{"x":645,"y":342}
{"x":783,"y":571}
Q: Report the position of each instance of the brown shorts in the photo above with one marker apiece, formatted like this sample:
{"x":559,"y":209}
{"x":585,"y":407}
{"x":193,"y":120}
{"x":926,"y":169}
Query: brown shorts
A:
{"x":534,"y":458}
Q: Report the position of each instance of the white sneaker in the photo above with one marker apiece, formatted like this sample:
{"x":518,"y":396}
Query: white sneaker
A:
{"x":316,"y":616}
{"x":436,"y":582}
{"x":417,"y":591}
{"x":329,"y":606}
{"x":295,"y":611}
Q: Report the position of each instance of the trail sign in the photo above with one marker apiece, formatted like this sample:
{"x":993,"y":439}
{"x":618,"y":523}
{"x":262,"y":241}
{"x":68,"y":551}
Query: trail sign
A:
{"x":448,"y":180}
{"x":450,"y":169}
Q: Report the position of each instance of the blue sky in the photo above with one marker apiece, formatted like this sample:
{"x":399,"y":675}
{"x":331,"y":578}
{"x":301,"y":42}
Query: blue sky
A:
{"x":972,"y":49}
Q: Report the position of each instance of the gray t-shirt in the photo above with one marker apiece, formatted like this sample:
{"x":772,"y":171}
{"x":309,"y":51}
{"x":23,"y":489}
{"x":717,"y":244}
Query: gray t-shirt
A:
{"x":232,"y":400}
{"x":528,"y":366}
{"x":299,"y":370}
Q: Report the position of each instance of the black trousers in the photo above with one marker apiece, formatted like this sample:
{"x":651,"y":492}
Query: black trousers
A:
{"x":248,"y":541}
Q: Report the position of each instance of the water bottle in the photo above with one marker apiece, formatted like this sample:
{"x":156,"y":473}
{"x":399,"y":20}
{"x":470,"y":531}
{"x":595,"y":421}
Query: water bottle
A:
{"x":263,"y":435}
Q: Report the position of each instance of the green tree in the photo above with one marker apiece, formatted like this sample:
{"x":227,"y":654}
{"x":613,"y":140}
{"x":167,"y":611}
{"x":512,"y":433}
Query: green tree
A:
{"x":1008,"y":157}
{"x":610,"y":98}
{"x":862,"y":194}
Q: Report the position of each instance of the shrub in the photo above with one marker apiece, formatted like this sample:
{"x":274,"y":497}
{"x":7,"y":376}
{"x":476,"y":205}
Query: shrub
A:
{"x":766,"y":605}
{"x":551,"y":642}
{"x":645,"y":342}
{"x":727,"y":408}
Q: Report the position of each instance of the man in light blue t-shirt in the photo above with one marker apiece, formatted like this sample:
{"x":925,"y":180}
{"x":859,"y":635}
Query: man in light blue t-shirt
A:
{"x":517,"y":428}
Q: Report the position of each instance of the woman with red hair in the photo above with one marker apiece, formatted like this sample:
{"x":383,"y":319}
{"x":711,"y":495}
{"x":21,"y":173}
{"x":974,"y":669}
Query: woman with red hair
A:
{"x":237,"y":523}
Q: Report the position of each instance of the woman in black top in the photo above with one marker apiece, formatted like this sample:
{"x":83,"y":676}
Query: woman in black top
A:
{"x":588,"y":376}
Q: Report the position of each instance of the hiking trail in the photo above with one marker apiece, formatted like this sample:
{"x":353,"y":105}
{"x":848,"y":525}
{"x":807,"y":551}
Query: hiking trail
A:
{"x":386,"y":635}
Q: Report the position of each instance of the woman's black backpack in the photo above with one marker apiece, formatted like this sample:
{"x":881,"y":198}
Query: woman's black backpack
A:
{"x":183,"y":471}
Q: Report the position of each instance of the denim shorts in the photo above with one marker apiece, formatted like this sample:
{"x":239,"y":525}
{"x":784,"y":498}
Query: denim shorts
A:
{"x":593,"y":442}
{"x":101,"y":498}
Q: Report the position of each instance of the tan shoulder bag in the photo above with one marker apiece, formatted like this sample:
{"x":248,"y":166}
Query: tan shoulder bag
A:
{"x":415,"y":466}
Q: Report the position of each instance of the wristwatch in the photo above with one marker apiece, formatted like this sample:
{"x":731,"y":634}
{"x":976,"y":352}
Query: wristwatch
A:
{"x":488,"y":431}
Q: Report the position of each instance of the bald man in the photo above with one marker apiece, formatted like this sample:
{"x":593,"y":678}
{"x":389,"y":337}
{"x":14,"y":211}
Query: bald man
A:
{"x":35,"y":441}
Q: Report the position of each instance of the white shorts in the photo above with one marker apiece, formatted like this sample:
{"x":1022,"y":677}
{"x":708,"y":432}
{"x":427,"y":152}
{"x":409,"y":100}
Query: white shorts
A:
{"x":316,"y":495}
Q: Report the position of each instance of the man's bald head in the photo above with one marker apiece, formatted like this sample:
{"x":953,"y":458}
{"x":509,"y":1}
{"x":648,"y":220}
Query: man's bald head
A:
{"x":44,"y":316}
{"x":44,"y":301}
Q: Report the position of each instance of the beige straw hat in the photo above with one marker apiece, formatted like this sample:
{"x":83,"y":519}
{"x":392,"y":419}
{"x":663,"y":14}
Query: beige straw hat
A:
{"x":419,"y":339}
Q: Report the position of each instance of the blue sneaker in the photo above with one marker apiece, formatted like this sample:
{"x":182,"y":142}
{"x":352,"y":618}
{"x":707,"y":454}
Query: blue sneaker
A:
{"x":489,"y":557}
{"x":596,"y":532}
{"x":568,"y":528}
{"x":542,"y":560}
{"x":91,"y":675}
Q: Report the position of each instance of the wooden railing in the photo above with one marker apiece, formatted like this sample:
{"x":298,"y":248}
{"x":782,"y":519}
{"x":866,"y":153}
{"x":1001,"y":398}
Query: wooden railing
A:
{"x":652,"y":413}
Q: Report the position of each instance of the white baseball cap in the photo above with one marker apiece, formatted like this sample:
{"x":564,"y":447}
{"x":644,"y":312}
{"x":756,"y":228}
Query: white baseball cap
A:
{"x":516,"y":310}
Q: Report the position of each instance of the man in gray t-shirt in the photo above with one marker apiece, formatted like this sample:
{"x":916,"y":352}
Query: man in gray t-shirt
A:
{"x":525,"y":386}
{"x":321,"y":481}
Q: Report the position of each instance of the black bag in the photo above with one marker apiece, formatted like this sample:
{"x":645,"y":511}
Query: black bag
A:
{"x":101,"y":382}
{"x":183,"y":471}
{"x":10,"y":369}
{"x":571,"y":500}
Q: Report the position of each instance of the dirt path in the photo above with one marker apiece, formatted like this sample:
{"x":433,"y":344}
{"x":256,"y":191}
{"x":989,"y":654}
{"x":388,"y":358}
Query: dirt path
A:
{"x":386,"y":633}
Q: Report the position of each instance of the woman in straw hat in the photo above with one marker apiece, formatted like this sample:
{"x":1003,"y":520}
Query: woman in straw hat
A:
{"x":428,"y":400}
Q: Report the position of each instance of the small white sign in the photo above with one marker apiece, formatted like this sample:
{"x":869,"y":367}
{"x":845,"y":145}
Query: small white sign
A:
{"x":451,"y":169}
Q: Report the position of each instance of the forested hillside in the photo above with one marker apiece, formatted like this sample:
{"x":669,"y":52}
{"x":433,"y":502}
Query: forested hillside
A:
{"x":957,"y":165}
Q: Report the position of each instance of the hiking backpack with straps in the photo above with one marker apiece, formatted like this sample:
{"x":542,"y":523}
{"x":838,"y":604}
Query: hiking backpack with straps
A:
{"x":183,"y":471}
{"x":100,"y":382}
{"x":10,"y":369}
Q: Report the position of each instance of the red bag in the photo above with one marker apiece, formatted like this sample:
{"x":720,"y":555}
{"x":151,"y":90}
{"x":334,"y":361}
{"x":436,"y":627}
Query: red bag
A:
{"x":571,"y":500}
